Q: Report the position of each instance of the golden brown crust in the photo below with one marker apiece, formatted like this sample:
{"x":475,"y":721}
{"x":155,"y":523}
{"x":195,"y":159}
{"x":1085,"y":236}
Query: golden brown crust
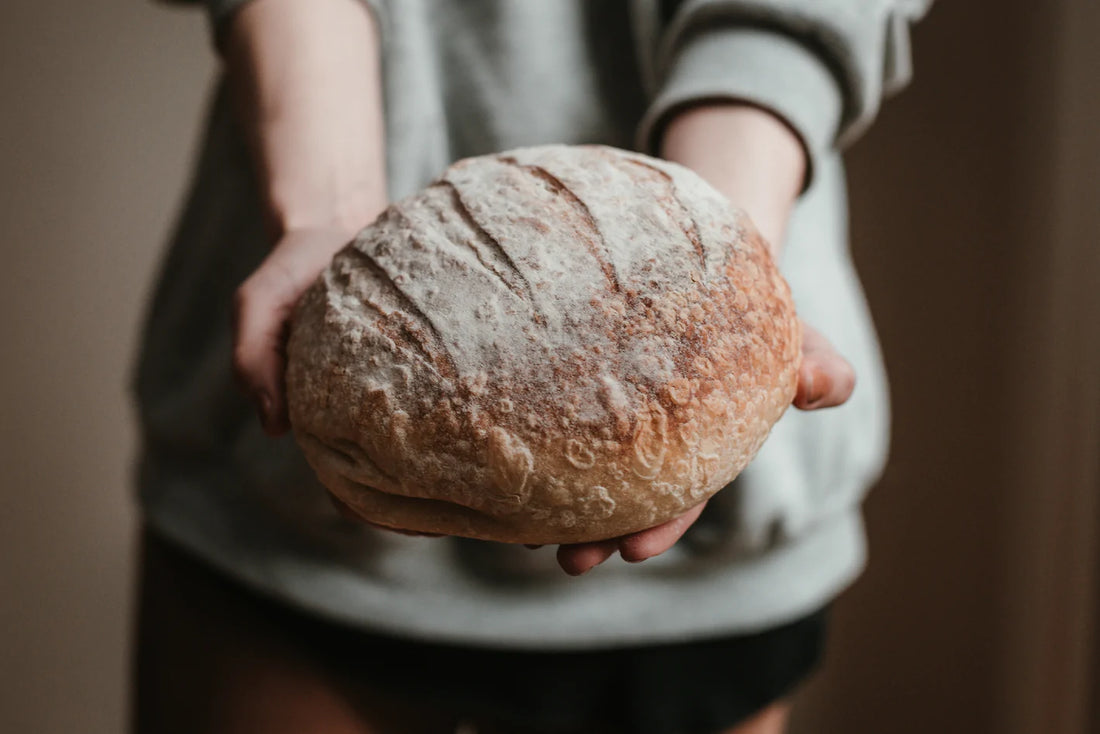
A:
{"x":551,"y":345}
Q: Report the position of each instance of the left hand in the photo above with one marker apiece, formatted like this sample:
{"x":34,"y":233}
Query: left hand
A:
{"x":759,"y":163}
{"x":824,"y":380}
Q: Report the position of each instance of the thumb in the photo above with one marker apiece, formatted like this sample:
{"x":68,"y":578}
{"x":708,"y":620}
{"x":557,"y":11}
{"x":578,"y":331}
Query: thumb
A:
{"x":825,"y":378}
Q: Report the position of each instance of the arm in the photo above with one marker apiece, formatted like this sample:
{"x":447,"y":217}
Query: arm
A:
{"x":747,"y":154}
{"x":305,"y":79}
{"x":755,"y":159}
{"x":749,"y":94}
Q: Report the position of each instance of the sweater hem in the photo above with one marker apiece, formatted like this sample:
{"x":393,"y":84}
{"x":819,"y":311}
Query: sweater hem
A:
{"x":668,"y":599}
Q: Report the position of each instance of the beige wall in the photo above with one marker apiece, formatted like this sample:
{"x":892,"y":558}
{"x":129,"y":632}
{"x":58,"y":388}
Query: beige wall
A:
{"x":98,"y":105}
{"x":977,"y":229}
{"x":935,"y":193}
{"x":951,"y":198}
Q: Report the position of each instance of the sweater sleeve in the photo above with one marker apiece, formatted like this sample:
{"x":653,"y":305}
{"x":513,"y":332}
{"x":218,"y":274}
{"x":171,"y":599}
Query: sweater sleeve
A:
{"x":823,"y":66}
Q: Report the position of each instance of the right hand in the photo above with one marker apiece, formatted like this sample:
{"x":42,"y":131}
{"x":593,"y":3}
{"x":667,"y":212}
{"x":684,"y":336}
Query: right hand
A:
{"x":262,"y":307}
{"x":307,"y":89}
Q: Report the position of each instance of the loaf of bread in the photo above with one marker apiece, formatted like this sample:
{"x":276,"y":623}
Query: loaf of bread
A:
{"x":549,"y":345}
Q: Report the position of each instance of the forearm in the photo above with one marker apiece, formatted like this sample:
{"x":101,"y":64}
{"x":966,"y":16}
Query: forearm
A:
{"x":747,"y":154}
{"x":305,"y":78}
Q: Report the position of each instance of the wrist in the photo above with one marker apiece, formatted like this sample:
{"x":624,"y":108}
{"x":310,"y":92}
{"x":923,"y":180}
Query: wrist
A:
{"x":347,"y":208}
{"x":748,"y":154}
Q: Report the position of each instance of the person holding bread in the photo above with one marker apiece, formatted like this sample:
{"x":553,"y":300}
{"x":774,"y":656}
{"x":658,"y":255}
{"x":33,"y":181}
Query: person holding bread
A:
{"x":508,"y":370}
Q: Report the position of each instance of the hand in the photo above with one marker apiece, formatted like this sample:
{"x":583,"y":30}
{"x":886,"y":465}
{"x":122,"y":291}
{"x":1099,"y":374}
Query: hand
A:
{"x":262,"y":308}
{"x":758,"y":162}
{"x":825,"y":379}
{"x":307,"y":90}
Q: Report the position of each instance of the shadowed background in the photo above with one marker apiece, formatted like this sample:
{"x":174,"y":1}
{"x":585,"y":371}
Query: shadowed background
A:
{"x":976,"y":228}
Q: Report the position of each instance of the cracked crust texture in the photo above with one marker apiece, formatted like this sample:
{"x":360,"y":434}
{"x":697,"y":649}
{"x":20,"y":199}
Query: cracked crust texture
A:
{"x":553,"y":344}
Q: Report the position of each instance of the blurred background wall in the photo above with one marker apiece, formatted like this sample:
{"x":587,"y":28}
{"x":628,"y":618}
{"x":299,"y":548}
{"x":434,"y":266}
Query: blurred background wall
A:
{"x":99,"y":104}
{"x":976,"y":226}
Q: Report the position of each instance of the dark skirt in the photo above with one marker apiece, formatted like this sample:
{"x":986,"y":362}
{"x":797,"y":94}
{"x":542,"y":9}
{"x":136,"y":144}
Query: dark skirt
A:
{"x":702,"y":686}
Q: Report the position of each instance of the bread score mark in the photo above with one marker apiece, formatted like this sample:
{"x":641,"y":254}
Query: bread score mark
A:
{"x":437,"y":353}
{"x":557,"y":186}
{"x":487,"y":248}
{"x":692,"y":233}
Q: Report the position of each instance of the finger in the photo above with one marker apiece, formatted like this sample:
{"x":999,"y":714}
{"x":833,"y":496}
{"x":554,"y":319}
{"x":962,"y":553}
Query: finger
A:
{"x":639,"y":546}
{"x":580,"y":558}
{"x":401,"y":531}
{"x":261,"y":310}
{"x":343,"y":508}
{"x":825,"y":379}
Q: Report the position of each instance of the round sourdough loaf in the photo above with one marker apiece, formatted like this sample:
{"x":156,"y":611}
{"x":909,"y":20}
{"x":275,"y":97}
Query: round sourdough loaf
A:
{"x":549,"y":345}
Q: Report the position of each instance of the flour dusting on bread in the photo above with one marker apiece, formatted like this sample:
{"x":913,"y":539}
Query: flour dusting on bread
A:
{"x":551,"y":344}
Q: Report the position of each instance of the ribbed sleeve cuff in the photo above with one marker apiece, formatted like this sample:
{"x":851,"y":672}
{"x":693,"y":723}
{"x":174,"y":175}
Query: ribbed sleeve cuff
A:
{"x":755,"y":66}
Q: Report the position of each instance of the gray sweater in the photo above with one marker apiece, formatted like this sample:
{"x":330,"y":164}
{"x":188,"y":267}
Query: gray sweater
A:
{"x":476,"y":76}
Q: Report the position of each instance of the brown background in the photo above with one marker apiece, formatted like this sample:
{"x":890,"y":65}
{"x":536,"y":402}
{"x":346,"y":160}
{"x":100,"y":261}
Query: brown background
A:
{"x":976,"y":229}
